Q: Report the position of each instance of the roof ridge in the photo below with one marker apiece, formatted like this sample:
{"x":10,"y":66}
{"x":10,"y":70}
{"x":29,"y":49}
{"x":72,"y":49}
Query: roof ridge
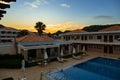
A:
{"x":24,"y":37}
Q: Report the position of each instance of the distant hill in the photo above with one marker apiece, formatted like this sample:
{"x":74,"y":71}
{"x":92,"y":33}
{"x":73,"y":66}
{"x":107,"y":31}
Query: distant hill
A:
{"x":1,"y":26}
{"x":94,"y":28}
{"x":60,"y":32}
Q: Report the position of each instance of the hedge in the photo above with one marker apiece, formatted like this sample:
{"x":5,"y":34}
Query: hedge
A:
{"x":10,"y":78}
{"x":10,"y":61}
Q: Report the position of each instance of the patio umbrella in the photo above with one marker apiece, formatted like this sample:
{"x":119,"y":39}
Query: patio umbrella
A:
{"x":45,"y":56}
{"x":61,"y":54}
{"x":83,"y":49}
{"x":23,"y":65}
{"x":74,"y":51}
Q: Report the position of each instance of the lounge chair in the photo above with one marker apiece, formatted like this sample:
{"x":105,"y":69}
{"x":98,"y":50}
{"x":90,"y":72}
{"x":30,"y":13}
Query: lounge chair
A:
{"x":60,"y":60}
{"x":76,"y":57}
{"x":84,"y":54}
{"x":41,"y":64}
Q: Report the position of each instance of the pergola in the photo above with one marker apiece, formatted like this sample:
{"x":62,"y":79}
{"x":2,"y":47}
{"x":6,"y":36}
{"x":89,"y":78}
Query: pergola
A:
{"x":3,"y":5}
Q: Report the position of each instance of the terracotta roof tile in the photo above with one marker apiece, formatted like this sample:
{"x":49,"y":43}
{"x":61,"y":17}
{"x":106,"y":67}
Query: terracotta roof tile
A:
{"x":113,"y":28}
{"x":77,"y":31}
{"x":34,"y":38}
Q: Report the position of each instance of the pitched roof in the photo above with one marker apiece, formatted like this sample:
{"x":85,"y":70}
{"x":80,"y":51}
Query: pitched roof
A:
{"x":77,"y":31}
{"x":113,"y":28}
{"x":34,"y":38}
{"x":7,"y":28}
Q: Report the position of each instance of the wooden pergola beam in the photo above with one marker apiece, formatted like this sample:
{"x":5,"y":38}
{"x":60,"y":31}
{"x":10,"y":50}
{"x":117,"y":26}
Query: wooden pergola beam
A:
{"x":9,"y":0}
{"x":2,"y":12}
{"x":3,"y":6}
{"x":1,"y":15}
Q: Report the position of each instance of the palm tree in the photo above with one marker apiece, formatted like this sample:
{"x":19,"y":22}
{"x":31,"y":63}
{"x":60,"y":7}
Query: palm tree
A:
{"x":40,"y":26}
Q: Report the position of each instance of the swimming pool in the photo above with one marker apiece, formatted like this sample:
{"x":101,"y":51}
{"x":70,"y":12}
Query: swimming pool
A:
{"x":94,"y":69}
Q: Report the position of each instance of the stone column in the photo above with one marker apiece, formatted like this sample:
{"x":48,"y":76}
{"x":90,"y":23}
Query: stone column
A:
{"x":69,"y":50}
{"x":78,"y":50}
{"x":58,"y":53}
{"x":51,"y":51}
{"x":25,"y":54}
{"x":38,"y":53}
{"x":19,"y":50}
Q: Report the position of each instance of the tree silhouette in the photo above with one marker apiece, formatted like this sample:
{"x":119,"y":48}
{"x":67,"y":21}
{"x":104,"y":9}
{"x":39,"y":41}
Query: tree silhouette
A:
{"x":40,"y":26}
{"x":23,"y":33}
{"x":2,"y":26}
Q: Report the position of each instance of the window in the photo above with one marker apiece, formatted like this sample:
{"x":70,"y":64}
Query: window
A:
{"x":85,"y":37}
{"x":3,"y":36}
{"x":99,"y":37}
{"x":8,"y":32}
{"x":90,"y":46}
{"x":99,"y":47}
{"x":117,"y":48}
{"x":90,"y":37}
{"x":78,"y":37}
{"x":72,"y":37}
{"x":116,"y":37}
{"x":67,"y":37}
{"x":3,"y":32}
{"x":14,"y":32}
{"x":63,"y":37}
{"x":75,"y":37}
{"x":81,"y":37}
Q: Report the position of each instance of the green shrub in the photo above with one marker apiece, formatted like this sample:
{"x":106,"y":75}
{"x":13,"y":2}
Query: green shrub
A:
{"x":10,"y":78}
{"x":31,"y":64}
{"x":8,"y":56}
{"x":10,"y":61}
{"x":53,"y":59}
{"x":79,"y":53}
{"x":67,"y":56}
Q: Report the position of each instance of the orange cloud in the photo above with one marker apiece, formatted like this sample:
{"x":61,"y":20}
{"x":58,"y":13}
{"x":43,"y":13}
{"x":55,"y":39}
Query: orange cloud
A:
{"x":52,"y":28}
{"x":63,"y":27}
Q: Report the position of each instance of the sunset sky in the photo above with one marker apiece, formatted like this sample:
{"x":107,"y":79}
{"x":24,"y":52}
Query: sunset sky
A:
{"x":61,"y":14}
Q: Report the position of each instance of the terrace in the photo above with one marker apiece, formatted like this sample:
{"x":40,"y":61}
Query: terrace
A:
{"x":33,"y":73}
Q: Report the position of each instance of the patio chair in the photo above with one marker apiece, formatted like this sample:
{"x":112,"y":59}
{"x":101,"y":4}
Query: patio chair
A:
{"x":76,"y":57}
{"x":60,"y":60}
{"x":84,"y":54}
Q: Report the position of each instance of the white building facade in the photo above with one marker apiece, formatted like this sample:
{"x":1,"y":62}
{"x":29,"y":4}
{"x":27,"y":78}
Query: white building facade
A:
{"x":102,"y":41}
{"x":7,"y":34}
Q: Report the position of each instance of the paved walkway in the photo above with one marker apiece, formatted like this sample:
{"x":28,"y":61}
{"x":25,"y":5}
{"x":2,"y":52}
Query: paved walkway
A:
{"x":33,"y":73}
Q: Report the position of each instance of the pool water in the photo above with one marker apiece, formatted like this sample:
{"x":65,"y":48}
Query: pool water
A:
{"x":95,"y":69}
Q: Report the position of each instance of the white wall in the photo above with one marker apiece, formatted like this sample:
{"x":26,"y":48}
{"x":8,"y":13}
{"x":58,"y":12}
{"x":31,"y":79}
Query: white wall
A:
{"x":7,"y":49}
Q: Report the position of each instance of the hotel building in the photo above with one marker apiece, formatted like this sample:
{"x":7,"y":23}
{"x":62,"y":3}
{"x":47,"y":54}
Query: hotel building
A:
{"x":7,"y":34}
{"x":34,"y":47}
{"x":103,"y":41}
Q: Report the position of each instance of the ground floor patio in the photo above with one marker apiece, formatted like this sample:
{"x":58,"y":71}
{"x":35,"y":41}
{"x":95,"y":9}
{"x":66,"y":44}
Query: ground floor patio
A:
{"x":33,"y":73}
